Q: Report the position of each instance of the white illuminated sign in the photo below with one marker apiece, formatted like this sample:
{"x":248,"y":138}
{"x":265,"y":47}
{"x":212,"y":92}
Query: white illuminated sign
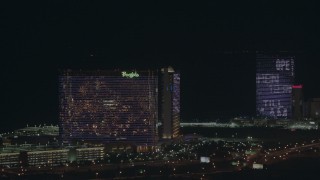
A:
{"x":129,"y":75}
{"x":283,"y":65}
{"x":280,"y":89}
{"x":267,"y":78}
{"x":257,"y":166}
{"x":274,"y":86}
{"x":204,"y":159}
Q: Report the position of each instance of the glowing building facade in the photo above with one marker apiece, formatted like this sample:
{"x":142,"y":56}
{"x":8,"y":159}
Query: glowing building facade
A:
{"x":109,"y":106}
{"x":274,"y":81}
{"x":170,"y":107}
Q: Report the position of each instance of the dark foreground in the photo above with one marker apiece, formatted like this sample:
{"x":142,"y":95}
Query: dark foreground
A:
{"x":298,"y":168}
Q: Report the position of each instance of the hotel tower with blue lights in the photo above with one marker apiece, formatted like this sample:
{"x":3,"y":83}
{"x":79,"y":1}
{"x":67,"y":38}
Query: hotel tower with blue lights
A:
{"x":274,"y":82}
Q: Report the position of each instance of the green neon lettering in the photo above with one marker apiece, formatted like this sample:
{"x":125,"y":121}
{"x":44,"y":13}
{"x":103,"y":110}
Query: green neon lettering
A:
{"x":129,"y":75}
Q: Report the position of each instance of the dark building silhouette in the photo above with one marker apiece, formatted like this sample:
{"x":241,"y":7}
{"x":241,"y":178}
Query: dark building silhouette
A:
{"x":312,"y":108}
{"x":297,"y":102}
{"x":170,"y":107}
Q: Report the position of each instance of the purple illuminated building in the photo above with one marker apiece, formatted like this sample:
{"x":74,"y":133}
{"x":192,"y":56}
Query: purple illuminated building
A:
{"x":274,"y":80}
{"x":109,"y":106}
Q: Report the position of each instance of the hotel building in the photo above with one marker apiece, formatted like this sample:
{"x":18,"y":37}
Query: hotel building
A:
{"x":109,"y":106}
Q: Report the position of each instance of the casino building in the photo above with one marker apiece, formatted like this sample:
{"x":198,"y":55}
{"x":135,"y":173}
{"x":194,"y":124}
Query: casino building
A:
{"x":109,"y":107}
{"x":274,"y":81}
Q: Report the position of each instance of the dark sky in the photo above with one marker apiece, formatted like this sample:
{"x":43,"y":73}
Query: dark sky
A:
{"x":212,"y":43}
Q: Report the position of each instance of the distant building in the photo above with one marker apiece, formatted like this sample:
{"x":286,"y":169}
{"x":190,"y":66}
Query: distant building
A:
{"x":47,"y":156}
{"x":274,"y":80}
{"x":9,"y":159}
{"x":170,"y":107}
{"x":35,"y":135}
{"x":38,"y":131}
{"x":53,"y":157}
{"x":312,"y":109}
{"x":90,"y":154}
{"x":297,"y":102}
{"x":109,"y":107}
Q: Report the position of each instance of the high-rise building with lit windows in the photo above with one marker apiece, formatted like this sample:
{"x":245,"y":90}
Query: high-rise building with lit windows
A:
{"x":170,"y":105}
{"x":274,"y":81}
{"x":109,"y":106}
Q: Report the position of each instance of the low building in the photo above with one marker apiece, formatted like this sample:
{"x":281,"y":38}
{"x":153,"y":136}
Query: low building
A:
{"x":120,"y":147}
{"x":90,"y":154}
{"x":9,"y":159}
{"x":49,"y":157}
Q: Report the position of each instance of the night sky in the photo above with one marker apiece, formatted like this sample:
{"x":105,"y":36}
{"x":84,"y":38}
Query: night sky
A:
{"x":212,"y":44}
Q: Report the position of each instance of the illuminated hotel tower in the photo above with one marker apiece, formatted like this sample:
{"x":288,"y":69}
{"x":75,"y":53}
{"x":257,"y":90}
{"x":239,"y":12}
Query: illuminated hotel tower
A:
{"x":109,"y":106}
{"x":170,"y":108}
{"x":274,"y":81}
